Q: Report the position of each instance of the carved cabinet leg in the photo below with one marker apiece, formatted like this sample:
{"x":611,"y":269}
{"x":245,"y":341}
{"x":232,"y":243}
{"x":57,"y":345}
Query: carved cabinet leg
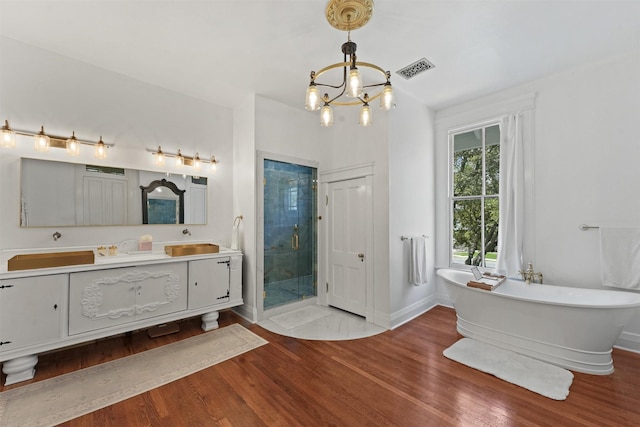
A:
{"x":20,"y":369}
{"x":210,"y":321}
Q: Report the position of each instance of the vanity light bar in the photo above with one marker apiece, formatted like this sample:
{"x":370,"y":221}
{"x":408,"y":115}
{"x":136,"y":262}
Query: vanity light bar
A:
{"x":196,"y":161}
{"x":45,"y":141}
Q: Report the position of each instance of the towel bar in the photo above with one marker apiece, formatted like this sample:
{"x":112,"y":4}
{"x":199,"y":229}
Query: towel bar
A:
{"x":403,"y":238}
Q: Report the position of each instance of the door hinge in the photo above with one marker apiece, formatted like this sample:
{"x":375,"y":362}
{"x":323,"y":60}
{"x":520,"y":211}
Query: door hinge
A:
{"x":326,"y":200}
{"x":264,"y":181}
{"x":264,"y":294}
{"x":327,"y":288}
{"x":224,"y":296}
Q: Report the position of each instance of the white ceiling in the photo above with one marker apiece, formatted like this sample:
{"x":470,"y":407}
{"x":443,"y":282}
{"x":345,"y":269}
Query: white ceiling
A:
{"x":222,"y":51}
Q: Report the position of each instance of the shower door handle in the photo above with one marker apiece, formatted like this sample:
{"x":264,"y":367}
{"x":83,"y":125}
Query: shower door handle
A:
{"x":295,"y":242}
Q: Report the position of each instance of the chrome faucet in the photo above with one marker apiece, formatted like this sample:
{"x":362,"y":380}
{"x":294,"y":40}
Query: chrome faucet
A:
{"x":529,"y":274}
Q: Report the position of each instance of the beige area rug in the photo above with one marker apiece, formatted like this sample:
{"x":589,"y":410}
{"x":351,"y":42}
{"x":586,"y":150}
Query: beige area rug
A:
{"x":71,"y":395}
{"x":543,"y":378}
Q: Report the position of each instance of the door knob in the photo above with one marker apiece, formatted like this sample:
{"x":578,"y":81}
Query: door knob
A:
{"x":361,"y":256}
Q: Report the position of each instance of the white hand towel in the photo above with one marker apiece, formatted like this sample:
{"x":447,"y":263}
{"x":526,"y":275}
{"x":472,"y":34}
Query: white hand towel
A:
{"x":234,"y":237}
{"x":418,"y":261}
{"x":620,"y":257}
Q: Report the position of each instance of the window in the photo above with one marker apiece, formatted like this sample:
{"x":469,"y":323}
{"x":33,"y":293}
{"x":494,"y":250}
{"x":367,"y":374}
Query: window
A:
{"x":475,"y":178}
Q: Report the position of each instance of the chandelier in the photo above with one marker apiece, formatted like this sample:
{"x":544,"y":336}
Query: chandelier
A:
{"x":347,"y":15}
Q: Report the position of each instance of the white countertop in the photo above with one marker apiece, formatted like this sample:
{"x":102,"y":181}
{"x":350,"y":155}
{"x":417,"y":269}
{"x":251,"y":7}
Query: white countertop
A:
{"x":101,"y":262}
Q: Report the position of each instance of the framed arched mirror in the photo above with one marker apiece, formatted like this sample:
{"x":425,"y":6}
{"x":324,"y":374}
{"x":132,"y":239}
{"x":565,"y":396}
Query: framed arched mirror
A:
{"x":162,"y":203}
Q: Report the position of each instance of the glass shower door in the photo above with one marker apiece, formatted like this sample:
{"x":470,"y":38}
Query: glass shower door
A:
{"x":289,"y":233}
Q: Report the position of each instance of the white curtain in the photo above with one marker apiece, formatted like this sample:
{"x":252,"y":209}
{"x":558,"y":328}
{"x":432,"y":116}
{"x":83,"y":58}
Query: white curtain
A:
{"x":510,"y":228}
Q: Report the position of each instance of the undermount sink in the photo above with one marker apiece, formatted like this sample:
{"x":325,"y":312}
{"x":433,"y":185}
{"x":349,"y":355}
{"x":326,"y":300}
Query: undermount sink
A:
{"x":50,"y":260}
{"x":191,"y":249}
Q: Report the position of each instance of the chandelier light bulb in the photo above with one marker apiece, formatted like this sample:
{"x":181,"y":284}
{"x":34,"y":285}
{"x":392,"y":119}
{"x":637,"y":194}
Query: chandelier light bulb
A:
{"x":42,"y":140}
{"x":386,"y":98}
{"x":312,"y":102}
{"x":8,"y":136}
{"x":365,"y":114}
{"x":72,"y":145}
{"x":354,"y":84}
{"x":326,"y":116}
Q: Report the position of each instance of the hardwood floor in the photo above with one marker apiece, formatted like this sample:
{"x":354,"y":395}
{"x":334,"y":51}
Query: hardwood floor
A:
{"x":397,"y":378}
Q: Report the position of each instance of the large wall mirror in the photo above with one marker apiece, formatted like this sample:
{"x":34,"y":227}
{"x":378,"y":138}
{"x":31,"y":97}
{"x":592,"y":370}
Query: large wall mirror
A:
{"x":58,"y":194}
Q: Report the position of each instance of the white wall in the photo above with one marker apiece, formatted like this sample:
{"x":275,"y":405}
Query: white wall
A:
{"x":411,"y":205}
{"x":38,"y":87}
{"x":244,"y":200}
{"x":583,"y":168}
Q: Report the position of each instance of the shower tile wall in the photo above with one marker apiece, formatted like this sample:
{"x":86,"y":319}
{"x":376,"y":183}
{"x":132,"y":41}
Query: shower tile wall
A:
{"x":289,"y":200}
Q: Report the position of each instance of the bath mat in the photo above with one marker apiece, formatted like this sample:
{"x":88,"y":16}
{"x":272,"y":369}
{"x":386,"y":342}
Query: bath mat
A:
{"x":299,"y":317}
{"x":59,"y":399}
{"x":543,"y":378}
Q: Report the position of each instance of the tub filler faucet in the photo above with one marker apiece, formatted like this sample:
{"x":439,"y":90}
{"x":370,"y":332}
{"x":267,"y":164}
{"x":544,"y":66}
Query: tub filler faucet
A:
{"x":529,"y":274}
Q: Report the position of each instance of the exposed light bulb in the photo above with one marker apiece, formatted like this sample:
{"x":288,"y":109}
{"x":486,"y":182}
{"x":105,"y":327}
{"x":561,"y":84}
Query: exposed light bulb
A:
{"x":312,"y":102}
{"x":214,"y":164}
{"x":42,"y":140}
{"x":386,"y":98}
{"x":7,"y":136}
{"x":101,"y":150}
{"x":326,"y":115}
{"x":196,"y":161}
{"x":354,"y":84}
{"x":72,"y":145}
{"x":179,"y":160}
{"x":160,"y":157}
{"x":365,"y":114}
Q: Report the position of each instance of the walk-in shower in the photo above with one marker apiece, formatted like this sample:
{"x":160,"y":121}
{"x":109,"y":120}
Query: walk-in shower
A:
{"x":290,"y":233}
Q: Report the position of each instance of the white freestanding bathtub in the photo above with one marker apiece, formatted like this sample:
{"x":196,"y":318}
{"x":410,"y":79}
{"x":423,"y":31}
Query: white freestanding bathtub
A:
{"x":574,"y":328}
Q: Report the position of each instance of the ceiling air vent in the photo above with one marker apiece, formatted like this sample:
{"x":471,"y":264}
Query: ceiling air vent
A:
{"x":416,"y":68}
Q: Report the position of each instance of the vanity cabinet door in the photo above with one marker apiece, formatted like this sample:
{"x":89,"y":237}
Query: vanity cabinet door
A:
{"x":31,"y":310}
{"x":208,"y":282}
{"x":106,"y":298}
{"x":164,"y":292}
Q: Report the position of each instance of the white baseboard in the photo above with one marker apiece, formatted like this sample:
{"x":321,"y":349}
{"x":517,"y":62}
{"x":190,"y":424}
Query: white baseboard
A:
{"x":246,"y":313}
{"x":411,"y":312}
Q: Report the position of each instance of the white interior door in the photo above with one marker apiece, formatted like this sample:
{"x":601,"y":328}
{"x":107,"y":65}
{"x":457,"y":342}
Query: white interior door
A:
{"x":347,"y":284}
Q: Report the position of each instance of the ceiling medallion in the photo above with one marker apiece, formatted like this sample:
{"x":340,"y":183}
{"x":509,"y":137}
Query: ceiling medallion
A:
{"x":346,"y":15}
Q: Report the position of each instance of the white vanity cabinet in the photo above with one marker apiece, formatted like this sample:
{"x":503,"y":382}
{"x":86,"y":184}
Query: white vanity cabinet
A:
{"x":106,"y":298}
{"x":31,"y":310}
{"x":47,"y":309}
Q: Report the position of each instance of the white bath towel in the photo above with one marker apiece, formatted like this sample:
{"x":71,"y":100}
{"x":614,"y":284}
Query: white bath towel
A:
{"x":418,"y":261}
{"x":620,"y":257}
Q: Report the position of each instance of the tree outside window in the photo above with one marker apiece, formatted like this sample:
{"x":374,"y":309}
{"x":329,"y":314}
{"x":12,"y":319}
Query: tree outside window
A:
{"x":475,"y":194}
